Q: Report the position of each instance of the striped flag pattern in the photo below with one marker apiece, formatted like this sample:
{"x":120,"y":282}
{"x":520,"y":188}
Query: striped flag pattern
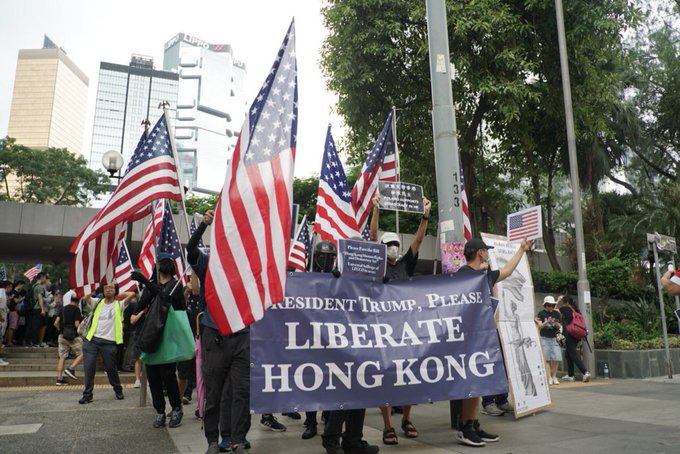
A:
{"x":168,"y":242}
{"x":334,"y":213}
{"x":301,"y":249}
{"x":31,"y":273}
{"x":525,"y":224}
{"x":123,"y":270}
{"x":467,"y":225}
{"x":383,"y":150}
{"x":250,"y":237}
{"x":151,"y":175}
{"x":147,"y":256}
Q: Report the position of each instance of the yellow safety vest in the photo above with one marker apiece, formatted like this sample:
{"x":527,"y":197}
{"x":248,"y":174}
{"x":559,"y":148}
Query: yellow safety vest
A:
{"x":117,"y":322}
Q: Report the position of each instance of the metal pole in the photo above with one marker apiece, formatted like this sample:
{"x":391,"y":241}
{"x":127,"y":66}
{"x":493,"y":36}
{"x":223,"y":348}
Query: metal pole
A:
{"x":582,"y":286}
{"x":447,"y":160}
{"x":396,"y":158}
{"x":669,"y":368}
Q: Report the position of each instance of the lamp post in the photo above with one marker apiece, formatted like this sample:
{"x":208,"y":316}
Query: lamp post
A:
{"x":112,"y":161}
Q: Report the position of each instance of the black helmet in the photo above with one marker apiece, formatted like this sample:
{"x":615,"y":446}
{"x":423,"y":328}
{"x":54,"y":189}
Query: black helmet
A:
{"x":324,"y":256}
{"x":325,"y":247}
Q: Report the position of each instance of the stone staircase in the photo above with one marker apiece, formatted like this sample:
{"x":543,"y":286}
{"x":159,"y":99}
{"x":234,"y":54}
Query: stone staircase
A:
{"x":37,"y":366}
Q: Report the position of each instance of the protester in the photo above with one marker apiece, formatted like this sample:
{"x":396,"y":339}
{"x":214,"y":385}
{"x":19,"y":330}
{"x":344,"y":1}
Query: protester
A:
{"x":5,"y":301}
{"x":186,"y":370}
{"x":67,"y":323}
{"x":19,"y":295}
{"x":162,"y":377}
{"x":571,"y":343}
{"x":549,"y":323}
{"x":105,"y":333}
{"x":477,"y":257}
{"x":399,"y":267}
{"x":38,"y":315}
{"x":670,"y":281}
{"x":137,"y":320}
{"x":12,"y":314}
{"x":223,"y":358}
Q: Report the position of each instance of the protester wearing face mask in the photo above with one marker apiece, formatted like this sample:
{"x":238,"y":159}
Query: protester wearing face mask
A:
{"x":399,"y":268}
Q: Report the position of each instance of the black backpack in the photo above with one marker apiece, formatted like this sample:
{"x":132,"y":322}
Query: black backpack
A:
{"x":25,"y":307}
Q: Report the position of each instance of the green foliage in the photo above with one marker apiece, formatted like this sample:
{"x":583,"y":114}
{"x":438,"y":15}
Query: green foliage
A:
{"x":199,"y":205}
{"x":54,"y":176}
{"x":304,"y":194}
{"x":555,"y":282}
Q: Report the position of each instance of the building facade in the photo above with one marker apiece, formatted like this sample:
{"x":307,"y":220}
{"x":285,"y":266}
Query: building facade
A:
{"x":127,"y":95}
{"x":49,"y":101}
{"x":211,"y":107}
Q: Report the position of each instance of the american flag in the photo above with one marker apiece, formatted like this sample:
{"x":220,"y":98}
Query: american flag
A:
{"x":334,"y":213}
{"x":168,"y":242}
{"x":123,"y":270}
{"x":366,"y":232}
{"x":147,"y":256}
{"x":467,"y":226}
{"x":250,"y":237}
{"x":31,"y":273}
{"x":301,"y":249}
{"x":151,"y":175}
{"x":525,"y":224}
{"x":380,"y":165}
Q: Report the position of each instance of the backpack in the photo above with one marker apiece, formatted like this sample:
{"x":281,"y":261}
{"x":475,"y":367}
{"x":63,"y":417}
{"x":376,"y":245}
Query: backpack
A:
{"x":577,"y":327}
{"x":25,"y":307}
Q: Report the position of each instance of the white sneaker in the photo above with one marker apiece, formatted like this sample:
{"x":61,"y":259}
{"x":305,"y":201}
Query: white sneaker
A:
{"x":567,"y":378}
{"x":492,"y":410}
{"x":555,"y":381}
{"x":3,"y":362}
{"x":44,"y":345}
{"x":586,"y":377}
{"x":137,"y":384}
{"x":550,"y":380}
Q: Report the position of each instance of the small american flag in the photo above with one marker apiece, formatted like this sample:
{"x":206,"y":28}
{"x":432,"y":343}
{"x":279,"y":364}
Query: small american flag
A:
{"x":301,"y":249}
{"x":334,"y":213}
{"x":147,"y":257}
{"x":168,"y":242}
{"x":366,"y":232}
{"x":123,"y":270}
{"x":31,"y":273}
{"x":467,"y":226}
{"x":525,"y":224}
{"x":380,"y":165}
{"x":250,"y":238}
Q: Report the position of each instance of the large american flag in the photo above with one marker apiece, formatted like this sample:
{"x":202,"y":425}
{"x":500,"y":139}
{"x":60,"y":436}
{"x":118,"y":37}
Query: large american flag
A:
{"x":147,"y":256}
{"x":151,"y":175}
{"x":31,"y":273}
{"x":123,"y":270}
{"x":525,"y":224}
{"x":301,"y":249}
{"x":334,"y":213}
{"x":250,"y":237}
{"x":467,"y":225}
{"x":168,"y":242}
{"x":380,"y":165}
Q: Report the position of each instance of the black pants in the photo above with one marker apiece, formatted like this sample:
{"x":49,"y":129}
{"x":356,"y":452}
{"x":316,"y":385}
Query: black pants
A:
{"x":354,"y":427}
{"x":108,"y":351}
{"x":35,"y":321}
{"x":163,"y":376}
{"x":573,"y":356}
{"x":310,"y":418}
{"x":226,"y":360}
{"x":499,"y":399}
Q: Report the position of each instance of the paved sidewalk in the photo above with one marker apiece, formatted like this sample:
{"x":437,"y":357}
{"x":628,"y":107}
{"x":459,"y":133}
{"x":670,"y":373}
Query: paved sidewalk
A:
{"x":604,"y":416}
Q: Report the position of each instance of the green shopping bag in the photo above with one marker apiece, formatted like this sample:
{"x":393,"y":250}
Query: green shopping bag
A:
{"x":177,"y":342}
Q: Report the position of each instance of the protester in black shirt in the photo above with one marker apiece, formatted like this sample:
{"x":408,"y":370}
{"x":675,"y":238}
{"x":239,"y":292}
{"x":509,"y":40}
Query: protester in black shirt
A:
{"x":549,"y":322}
{"x":67,"y":323}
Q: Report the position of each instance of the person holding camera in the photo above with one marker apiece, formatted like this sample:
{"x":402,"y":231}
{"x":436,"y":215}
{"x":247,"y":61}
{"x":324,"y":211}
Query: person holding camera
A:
{"x":549,"y":323}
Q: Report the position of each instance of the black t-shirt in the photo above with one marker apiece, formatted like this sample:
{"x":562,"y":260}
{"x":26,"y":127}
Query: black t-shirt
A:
{"x":549,"y":331}
{"x":69,"y":315}
{"x":404,"y":268}
{"x":491,"y":275}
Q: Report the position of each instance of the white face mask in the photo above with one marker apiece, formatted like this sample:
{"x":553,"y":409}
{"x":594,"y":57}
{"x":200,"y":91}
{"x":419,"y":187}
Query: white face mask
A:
{"x":392,"y":252}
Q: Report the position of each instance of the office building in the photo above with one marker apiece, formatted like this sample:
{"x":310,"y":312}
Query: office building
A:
{"x":126,"y":96}
{"x":211,"y":106}
{"x":49,"y":100}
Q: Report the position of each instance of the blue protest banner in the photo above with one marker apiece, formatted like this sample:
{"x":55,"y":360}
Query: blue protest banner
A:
{"x":343,"y":343}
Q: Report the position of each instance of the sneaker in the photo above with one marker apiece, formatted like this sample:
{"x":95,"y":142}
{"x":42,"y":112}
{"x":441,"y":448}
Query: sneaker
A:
{"x":213,"y":448}
{"x":587,"y":377}
{"x":567,"y":378}
{"x":186,"y":401}
{"x":468,"y":435}
{"x":176,"y":417}
{"x":362,"y":448}
{"x":492,"y":410}
{"x":44,"y":345}
{"x":137,"y":384}
{"x":159,"y":421}
{"x":71,"y":373}
{"x":506,"y":407}
{"x":293,"y":415}
{"x":270,"y":422}
{"x":120,"y":396}
{"x":61,"y":381}
{"x":85,"y":400}
{"x":485,"y":436}
{"x":550,"y":380}
{"x":225,"y":445}
{"x":555,"y":381}
{"x":3,"y":362}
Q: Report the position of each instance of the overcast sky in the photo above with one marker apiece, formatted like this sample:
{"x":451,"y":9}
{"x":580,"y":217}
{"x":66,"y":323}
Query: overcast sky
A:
{"x":94,"y":31}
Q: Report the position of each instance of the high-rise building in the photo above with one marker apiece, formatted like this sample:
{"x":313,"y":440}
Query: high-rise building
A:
{"x":211,"y":106}
{"x":49,"y":100}
{"x":126,"y":96}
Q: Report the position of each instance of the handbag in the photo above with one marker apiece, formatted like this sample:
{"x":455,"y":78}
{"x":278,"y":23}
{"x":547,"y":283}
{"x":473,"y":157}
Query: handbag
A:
{"x":152,"y":331}
{"x":177,"y":342}
{"x":84,"y":326}
{"x":561,"y":340}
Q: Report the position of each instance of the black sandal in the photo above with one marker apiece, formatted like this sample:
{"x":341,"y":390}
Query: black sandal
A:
{"x":390,"y":437}
{"x":409,"y":429}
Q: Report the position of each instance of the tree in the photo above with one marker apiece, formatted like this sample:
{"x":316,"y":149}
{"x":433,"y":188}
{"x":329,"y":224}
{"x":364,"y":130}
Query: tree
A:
{"x":55,"y":176}
{"x":200,"y":205}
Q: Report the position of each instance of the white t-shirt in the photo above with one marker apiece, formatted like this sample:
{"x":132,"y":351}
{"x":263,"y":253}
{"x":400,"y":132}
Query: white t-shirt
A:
{"x":106,"y":328}
{"x":3,"y":300}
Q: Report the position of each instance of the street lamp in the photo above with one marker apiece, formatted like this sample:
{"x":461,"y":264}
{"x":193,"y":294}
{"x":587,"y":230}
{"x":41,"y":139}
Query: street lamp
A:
{"x":112,"y":161}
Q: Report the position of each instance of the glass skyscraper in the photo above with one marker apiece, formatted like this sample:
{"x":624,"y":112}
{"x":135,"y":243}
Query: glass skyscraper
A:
{"x":211,"y":106}
{"x":126,"y":96}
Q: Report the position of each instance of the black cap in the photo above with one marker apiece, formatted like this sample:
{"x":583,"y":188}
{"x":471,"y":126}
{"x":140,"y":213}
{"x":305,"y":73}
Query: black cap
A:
{"x":474,"y":245}
{"x":163,"y":256}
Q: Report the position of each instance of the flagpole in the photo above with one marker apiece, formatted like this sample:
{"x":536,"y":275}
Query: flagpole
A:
{"x":155,"y":237}
{"x":127,"y":251}
{"x":396,"y":157}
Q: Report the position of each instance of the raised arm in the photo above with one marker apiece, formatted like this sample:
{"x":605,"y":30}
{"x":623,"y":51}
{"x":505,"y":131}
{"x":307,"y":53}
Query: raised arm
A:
{"x":422,"y":227}
{"x":192,"y":245}
{"x":375,"y":217}
{"x":666,"y":282}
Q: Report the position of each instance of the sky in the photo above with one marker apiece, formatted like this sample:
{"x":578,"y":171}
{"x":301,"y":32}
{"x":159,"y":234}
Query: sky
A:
{"x":94,"y":31}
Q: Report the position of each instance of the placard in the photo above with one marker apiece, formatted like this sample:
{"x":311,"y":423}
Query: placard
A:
{"x":362,"y":259}
{"x":453,"y":256}
{"x":400,"y":196}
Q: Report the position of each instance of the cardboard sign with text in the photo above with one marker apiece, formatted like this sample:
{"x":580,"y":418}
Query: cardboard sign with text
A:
{"x":361,"y":259}
{"x":400,"y":196}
